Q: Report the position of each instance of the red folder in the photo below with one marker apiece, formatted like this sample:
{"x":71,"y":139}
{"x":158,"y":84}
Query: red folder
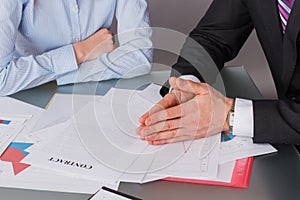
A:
{"x":240,"y":177}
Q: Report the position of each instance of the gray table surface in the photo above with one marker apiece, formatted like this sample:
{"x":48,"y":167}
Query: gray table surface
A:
{"x":274,"y":177}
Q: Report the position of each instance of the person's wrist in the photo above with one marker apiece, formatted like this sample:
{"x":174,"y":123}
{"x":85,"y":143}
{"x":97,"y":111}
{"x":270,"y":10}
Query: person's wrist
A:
{"x":79,"y":52}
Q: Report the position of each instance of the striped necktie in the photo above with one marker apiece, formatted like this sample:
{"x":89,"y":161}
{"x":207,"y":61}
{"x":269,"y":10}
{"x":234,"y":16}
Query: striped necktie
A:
{"x":285,"y":7}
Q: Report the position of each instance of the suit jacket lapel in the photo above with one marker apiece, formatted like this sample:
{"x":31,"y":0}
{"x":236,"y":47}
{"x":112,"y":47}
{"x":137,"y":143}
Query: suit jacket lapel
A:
{"x":290,"y":45}
{"x":272,"y":17}
{"x":272,"y":21}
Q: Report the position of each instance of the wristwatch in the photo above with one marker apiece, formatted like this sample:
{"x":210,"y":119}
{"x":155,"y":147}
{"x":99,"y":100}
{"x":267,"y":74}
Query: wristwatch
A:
{"x":230,"y":117}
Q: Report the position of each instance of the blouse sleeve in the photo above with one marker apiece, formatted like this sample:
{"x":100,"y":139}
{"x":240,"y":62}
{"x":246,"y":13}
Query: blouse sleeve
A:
{"x":18,"y":73}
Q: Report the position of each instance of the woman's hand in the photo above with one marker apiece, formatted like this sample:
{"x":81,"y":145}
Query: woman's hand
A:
{"x":90,"y":48}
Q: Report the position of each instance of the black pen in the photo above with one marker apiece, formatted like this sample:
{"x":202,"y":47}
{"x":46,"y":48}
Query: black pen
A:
{"x":117,"y":193}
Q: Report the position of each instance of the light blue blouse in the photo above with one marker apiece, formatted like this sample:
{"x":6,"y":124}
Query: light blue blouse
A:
{"x":36,"y":41}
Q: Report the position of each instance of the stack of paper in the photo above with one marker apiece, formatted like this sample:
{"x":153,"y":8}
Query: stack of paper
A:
{"x":93,"y":138}
{"x":99,"y":142}
{"x":16,"y":173}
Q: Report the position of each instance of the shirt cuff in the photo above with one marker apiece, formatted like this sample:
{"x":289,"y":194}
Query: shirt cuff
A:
{"x":64,"y":60}
{"x":189,"y":78}
{"x":243,"y":118}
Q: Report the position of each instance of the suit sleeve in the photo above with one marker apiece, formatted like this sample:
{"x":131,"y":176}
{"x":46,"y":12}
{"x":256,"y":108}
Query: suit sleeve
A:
{"x":220,"y":34}
{"x":277,"y":121}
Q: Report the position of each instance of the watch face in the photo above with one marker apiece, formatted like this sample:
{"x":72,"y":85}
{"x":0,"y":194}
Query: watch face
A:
{"x":231,"y":117}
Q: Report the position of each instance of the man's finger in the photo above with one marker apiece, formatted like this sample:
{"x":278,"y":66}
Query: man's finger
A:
{"x":168,"y":134}
{"x":163,"y":115}
{"x":171,"y":140}
{"x":168,"y":101}
{"x":143,"y":118}
{"x":160,"y":127}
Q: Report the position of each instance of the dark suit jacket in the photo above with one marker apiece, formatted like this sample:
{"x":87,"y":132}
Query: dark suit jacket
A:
{"x":223,"y":31}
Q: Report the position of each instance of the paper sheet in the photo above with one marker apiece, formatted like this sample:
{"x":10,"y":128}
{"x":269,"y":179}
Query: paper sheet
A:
{"x":15,"y":173}
{"x":62,"y":107}
{"x":69,"y":156}
{"x":121,"y":115}
{"x":10,"y":127}
{"x":115,"y":117}
{"x":242,"y":147}
{"x":151,"y":93}
{"x":15,"y":117}
{"x":115,"y":144}
{"x":14,"y":107}
{"x":197,"y":162}
{"x":35,"y":178}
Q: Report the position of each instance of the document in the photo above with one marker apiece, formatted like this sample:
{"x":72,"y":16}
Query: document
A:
{"x":35,"y":178}
{"x":15,"y":172}
{"x":117,"y":119}
{"x":61,"y":107}
{"x":99,"y":142}
{"x":15,"y":117}
{"x":200,"y":161}
{"x":10,"y":127}
{"x":15,"y":107}
{"x":68,"y":155}
{"x":242,"y":147}
{"x":151,"y":93}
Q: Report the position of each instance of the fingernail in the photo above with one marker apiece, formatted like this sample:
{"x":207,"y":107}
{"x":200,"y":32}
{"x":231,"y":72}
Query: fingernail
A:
{"x":148,"y":122}
{"x":141,"y":120}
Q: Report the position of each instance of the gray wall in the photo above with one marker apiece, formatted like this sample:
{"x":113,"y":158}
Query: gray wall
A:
{"x":183,"y":15}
